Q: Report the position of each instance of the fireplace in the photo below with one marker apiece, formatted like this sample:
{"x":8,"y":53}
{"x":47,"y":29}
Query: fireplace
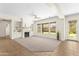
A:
{"x":26,"y":34}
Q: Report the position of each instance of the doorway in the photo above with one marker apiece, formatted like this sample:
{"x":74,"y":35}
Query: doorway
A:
{"x":5,"y":29}
{"x":8,"y":29}
{"x":72,"y":30}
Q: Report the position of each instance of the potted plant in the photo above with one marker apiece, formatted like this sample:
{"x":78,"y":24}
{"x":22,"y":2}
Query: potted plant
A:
{"x":58,"y":36}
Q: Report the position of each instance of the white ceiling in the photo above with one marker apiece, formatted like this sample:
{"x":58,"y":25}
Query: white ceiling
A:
{"x":40,"y":9}
{"x":21,"y":9}
{"x":69,"y":8}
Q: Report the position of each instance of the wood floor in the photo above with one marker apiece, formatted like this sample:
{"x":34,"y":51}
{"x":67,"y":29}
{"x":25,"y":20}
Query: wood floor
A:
{"x":66,"y":48}
{"x":9,"y":47}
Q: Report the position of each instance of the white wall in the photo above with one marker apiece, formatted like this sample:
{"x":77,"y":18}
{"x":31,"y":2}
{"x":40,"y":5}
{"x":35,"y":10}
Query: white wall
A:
{"x":41,"y":10}
{"x":59,"y":27}
{"x":13,"y":34}
{"x":70,"y":18}
{"x":2,"y":29}
{"x":8,"y":29}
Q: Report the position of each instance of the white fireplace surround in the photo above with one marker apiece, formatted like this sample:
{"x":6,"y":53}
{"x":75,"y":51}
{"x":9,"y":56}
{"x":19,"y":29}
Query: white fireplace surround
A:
{"x":28,"y":29}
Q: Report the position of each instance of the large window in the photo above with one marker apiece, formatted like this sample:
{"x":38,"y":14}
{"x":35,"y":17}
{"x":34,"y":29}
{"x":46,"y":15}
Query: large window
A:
{"x":45,"y":27}
{"x":72,"y":28}
{"x":39,"y":28}
{"x":53,"y":27}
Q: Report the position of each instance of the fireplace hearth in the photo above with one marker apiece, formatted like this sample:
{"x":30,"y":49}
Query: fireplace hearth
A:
{"x":26,"y":34}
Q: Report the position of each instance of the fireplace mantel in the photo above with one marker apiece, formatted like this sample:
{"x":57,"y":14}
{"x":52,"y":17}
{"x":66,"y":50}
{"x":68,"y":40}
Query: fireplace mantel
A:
{"x":26,"y":32}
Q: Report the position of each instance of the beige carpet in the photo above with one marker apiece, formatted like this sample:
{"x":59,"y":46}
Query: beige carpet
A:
{"x":38,"y":43}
